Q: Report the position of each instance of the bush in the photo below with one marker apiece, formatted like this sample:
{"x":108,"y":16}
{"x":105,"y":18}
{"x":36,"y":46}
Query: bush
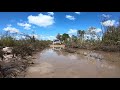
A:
{"x":7,"y":41}
{"x":1,"y":54}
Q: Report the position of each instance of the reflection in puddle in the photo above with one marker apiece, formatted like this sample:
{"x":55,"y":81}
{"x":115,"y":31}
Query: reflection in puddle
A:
{"x":77,"y":65}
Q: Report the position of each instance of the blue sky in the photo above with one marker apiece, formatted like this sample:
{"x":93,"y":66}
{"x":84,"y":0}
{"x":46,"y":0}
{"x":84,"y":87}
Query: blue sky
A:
{"x":47,"y":25}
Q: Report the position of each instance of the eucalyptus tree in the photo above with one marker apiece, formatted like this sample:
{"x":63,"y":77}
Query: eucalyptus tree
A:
{"x":80,"y":34}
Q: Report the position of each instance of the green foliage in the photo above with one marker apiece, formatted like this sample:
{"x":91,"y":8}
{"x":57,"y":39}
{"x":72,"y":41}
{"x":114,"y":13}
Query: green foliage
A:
{"x":111,"y":36}
{"x":74,"y":38}
{"x":7,"y":41}
{"x":80,"y":34}
{"x":59,"y":37}
{"x":22,"y":47}
{"x":65,"y":37}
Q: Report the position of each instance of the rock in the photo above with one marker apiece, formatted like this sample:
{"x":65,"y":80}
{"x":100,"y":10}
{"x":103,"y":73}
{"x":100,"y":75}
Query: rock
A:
{"x":30,"y":62}
{"x":85,"y":53}
{"x":7,"y":49}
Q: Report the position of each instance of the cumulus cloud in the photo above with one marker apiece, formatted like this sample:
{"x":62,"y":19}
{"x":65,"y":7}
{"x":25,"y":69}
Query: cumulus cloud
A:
{"x":108,"y":23}
{"x":50,"y":13}
{"x":25,"y":25}
{"x":41,"y":20}
{"x":70,"y":17}
{"x":77,"y":13}
{"x":11,"y":29}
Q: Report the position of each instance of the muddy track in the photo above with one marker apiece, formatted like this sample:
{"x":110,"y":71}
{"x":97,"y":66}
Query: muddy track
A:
{"x":58,"y":64}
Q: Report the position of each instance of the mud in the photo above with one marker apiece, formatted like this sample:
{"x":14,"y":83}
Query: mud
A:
{"x":83,"y":64}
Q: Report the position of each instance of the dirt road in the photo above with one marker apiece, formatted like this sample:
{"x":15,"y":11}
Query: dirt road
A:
{"x":58,"y":64}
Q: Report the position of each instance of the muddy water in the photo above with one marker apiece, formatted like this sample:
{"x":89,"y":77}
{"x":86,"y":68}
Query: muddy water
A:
{"x":83,"y":64}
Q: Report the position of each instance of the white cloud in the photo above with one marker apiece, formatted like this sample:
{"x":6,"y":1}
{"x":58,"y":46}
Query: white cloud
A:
{"x":18,"y":37}
{"x":11,"y":29}
{"x":25,"y":25}
{"x":97,"y":30}
{"x":51,"y":37}
{"x":108,"y":23}
{"x":47,"y":37}
{"x":72,"y":32}
{"x":106,"y":16}
{"x":50,"y":13}
{"x":70,"y":17}
{"x":41,"y":20}
{"x":23,"y":37}
{"x":77,"y":13}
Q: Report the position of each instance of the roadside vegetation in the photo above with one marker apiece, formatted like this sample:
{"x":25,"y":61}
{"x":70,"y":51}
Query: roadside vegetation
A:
{"x":106,"y":40}
{"x":18,"y":54}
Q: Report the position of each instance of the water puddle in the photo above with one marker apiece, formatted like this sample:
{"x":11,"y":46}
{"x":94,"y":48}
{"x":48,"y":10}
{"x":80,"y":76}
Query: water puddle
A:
{"x":51,"y":63}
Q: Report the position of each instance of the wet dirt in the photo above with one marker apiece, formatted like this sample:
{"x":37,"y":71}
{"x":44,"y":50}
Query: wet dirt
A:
{"x":52,"y":63}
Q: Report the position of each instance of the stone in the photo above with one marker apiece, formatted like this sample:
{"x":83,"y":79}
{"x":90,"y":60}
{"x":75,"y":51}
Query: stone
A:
{"x":85,"y":53}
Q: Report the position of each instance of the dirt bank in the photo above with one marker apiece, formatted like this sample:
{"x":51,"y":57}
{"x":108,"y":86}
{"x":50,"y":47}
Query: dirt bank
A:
{"x":14,"y":67}
{"x":113,"y":57}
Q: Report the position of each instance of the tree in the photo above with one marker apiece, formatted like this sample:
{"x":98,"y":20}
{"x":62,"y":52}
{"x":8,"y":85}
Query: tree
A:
{"x":112,"y":35}
{"x":59,"y":37}
{"x":74,"y":38}
{"x":74,"y":41}
{"x":92,"y":33}
{"x":80,"y":34}
{"x":65,"y":36}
